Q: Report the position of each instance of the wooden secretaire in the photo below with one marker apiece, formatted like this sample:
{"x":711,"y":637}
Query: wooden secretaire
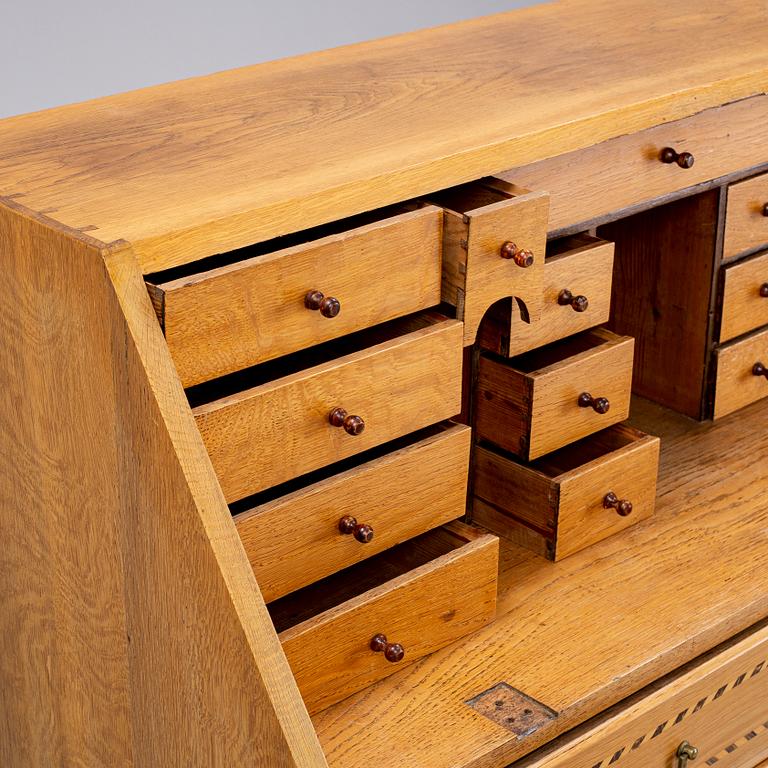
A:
{"x":400,"y":405}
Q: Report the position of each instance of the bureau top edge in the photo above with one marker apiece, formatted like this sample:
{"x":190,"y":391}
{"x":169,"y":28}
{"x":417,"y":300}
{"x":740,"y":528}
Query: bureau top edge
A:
{"x":209,"y":164}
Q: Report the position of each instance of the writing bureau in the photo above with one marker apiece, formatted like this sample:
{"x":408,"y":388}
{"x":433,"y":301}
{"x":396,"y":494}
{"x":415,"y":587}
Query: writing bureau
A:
{"x":269,"y":334}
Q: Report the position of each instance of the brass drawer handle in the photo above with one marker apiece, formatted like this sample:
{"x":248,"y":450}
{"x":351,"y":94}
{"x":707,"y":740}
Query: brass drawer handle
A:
{"x":597,"y":404}
{"x":393,"y":652}
{"x":685,"y":752}
{"x":622,"y":506}
{"x":764,"y":290}
{"x":349,"y":526}
{"x":353,"y":425}
{"x":327,"y":305}
{"x":521,"y":256}
{"x":684,"y":159}
{"x":758,"y":369}
{"x":578,"y":303}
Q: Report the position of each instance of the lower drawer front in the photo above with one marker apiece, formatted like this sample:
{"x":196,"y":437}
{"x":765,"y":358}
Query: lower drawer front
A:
{"x":719,"y":706}
{"x":420,"y":595}
{"x":297,"y":538}
{"x":745,"y":297}
{"x":742,"y":373}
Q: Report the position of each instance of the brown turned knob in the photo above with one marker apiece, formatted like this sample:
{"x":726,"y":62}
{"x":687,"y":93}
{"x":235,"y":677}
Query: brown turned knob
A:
{"x":622,"y":506}
{"x":765,"y":209}
{"x":317,"y":300}
{"x":598,"y":404}
{"x":363,"y":532}
{"x":684,"y":159}
{"x":353,"y":425}
{"x":521,"y":256}
{"x":764,"y":290}
{"x":758,"y":369}
{"x":578,"y":303}
{"x":393,"y":652}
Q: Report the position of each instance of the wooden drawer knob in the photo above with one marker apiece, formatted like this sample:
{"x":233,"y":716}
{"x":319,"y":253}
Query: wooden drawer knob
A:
{"x":622,"y":506}
{"x":521,"y":256}
{"x":597,"y":404}
{"x":578,"y":303}
{"x":353,"y":425}
{"x":327,"y":305}
{"x":683,"y":159}
{"x":758,"y":369}
{"x":393,"y":652}
{"x":349,"y":526}
{"x":765,"y":210}
{"x":764,"y":290}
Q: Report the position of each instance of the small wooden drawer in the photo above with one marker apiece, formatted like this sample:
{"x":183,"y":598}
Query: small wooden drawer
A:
{"x":746,"y":216}
{"x":300,"y":413}
{"x":494,"y":242}
{"x":276,"y":298}
{"x":745,"y":297}
{"x":718,"y":705}
{"x":538,"y":402}
{"x":742,"y":373}
{"x":577,"y":296}
{"x":420,"y":595}
{"x":308,"y":533}
{"x":571,"y":498}
{"x":592,"y":183}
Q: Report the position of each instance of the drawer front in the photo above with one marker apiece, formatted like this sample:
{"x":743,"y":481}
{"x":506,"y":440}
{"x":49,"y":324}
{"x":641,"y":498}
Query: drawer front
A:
{"x":626,"y":171}
{"x":719,"y":706}
{"x":739,"y":381}
{"x":396,"y":387}
{"x":746,"y":217}
{"x":240,"y":315}
{"x":585,"y":272}
{"x":745,"y":297}
{"x":423,"y":610}
{"x":296,"y":540}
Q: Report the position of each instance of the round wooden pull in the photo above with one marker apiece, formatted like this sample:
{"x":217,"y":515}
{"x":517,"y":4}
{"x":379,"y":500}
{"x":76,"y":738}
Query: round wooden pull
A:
{"x":327,"y":305}
{"x":353,"y":425}
{"x":764,"y":290}
{"x":349,"y":526}
{"x":521,"y":256}
{"x":765,"y":210}
{"x":758,"y":369}
{"x":622,"y":506}
{"x":578,"y":303}
{"x":683,"y":159}
{"x":597,"y":404}
{"x":393,"y":652}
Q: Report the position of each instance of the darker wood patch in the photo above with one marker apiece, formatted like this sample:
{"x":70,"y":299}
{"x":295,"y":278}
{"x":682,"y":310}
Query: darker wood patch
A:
{"x":512,"y":709}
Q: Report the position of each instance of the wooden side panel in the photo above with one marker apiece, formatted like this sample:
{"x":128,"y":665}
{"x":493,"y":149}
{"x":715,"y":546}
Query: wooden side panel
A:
{"x":736,"y":384}
{"x":744,"y":308}
{"x":662,"y":284}
{"x":133,"y":633}
{"x":746,"y":223}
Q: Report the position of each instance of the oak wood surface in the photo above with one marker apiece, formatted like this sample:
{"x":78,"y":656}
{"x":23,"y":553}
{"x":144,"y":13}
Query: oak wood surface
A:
{"x":626,"y":170}
{"x":131,"y":631}
{"x":746,"y":222}
{"x":426,"y":606}
{"x":397,"y":387}
{"x":242,"y":314}
{"x":673,"y":586}
{"x":208,"y":164}
{"x":744,"y":308}
{"x":736,"y":384}
{"x":295,"y":539}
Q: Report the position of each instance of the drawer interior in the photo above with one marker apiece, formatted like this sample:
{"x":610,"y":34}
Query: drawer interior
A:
{"x":311,"y":601}
{"x":471,"y":196}
{"x":572,"y":244}
{"x":560,"y":351}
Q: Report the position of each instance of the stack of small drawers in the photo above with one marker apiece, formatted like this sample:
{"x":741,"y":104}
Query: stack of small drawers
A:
{"x":322,"y":379}
{"x":741,"y":357}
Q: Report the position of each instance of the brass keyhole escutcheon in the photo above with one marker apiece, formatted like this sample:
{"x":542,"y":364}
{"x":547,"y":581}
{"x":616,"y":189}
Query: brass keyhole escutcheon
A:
{"x":686,"y":752}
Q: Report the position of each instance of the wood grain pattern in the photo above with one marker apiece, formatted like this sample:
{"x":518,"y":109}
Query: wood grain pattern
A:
{"x":673,"y":586}
{"x":744,"y":308}
{"x":239,"y":315}
{"x":736,"y":385}
{"x":190,"y":168}
{"x":719,"y":705}
{"x":746,"y":223}
{"x":625,"y":171}
{"x":132,"y":630}
{"x":397,"y":387}
{"x":450,"y":595}
{"x":295,"y":540}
